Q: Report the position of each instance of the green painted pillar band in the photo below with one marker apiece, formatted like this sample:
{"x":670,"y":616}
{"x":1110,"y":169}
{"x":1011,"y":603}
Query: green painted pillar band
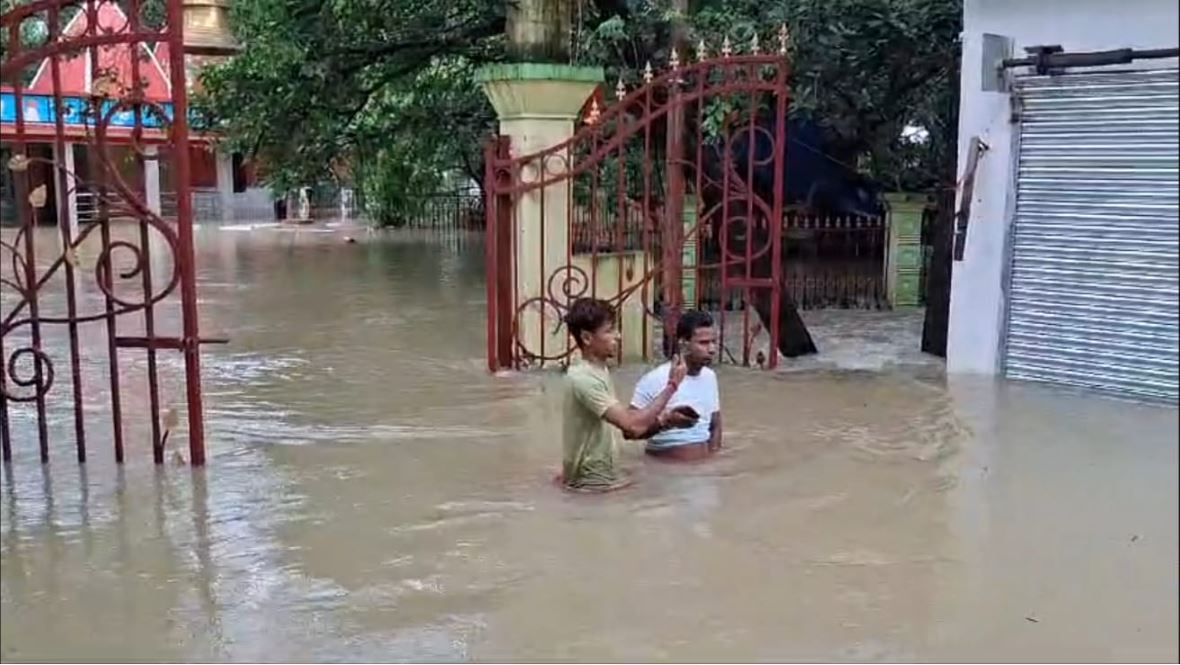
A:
{"x":688,"y":253}
{"x":904,"y":263}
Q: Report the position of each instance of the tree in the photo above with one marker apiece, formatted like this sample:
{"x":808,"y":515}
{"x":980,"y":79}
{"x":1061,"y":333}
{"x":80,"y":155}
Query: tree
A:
{"x":321,"y":84}
{"x":388,"y":86}
{"x":862,"y":69}
{"x":539,"y":30}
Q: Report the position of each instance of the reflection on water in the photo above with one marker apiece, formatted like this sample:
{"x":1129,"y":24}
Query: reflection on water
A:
{"x":373,"y":494}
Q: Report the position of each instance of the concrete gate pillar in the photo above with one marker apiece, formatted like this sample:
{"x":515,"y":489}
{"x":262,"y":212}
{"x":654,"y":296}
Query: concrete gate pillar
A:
{"x":67,"y":184}
{"x":537,"y":105}
{"x":151,"y":178}
{"x":225,"y":184}
{"x":903,"y":265}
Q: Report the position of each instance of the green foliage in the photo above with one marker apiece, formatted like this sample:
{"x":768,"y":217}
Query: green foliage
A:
{"x":863,"y":69}
{"x":324,"y":88}
{"x":380,"y":93}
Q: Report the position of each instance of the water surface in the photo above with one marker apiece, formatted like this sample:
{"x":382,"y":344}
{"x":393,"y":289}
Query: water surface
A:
{"x":373,"y":494}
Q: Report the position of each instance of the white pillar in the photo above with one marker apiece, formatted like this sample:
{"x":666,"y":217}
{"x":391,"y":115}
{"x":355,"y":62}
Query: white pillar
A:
{"x":537,"y":105}
{"x":304,"y":204}
{"x":225,"y":184}
{"x":67,"y":194}
{"x":151,"y":178}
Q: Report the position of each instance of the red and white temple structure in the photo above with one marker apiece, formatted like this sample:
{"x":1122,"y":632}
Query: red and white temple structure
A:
{"x":223,"y":187}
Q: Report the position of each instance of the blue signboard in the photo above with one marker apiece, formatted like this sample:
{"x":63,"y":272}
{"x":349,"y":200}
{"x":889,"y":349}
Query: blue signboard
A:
{"x":78,"y":112}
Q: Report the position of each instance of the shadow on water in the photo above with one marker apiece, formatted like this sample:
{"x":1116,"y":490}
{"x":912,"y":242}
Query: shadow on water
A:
{"x":374,"y":495}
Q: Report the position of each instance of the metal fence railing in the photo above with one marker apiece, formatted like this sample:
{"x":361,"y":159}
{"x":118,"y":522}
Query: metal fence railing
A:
{"x":449,"y":211}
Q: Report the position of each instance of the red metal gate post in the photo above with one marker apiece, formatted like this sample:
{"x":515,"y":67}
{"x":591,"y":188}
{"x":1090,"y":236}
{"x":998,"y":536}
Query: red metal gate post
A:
{"x":776,"y":221}
{"x":115,"y":87}
{"x":184,"y":222}
{"x":728,"y":201}
{"x":499,"y":257}
{"x":673,"y":232}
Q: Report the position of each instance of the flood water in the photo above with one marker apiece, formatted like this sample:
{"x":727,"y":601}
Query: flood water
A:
{"x":373,"y":494}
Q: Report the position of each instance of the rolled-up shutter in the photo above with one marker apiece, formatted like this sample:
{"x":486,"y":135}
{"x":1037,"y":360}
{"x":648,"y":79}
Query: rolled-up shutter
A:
{"x":1092,"y":298}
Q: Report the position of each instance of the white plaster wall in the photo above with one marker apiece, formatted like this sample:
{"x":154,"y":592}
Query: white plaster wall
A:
{"x":977,"y":291}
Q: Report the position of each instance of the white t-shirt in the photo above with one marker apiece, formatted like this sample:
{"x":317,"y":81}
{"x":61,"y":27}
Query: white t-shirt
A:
{"x":698,"y":391}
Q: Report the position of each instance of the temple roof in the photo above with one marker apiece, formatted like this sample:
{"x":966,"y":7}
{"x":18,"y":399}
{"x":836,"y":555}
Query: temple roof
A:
{"x":114,"y":61}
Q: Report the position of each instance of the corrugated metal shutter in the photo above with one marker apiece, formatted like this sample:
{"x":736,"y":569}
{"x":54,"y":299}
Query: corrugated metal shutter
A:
{"x":1092,"y":297}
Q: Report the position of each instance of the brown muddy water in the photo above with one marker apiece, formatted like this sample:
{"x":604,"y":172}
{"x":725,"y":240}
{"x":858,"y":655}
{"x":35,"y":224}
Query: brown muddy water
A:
{"x":373,"y":494}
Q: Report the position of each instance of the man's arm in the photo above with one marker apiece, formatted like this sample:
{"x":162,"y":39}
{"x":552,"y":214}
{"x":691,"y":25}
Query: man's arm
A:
{"x":655,"y":429}
{"x":715,"y":432}
{"x":715,"y":423}
{"x":641,"y":423}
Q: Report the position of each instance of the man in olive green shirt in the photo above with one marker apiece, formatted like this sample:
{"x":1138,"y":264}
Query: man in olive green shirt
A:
{"x":591,"y":412}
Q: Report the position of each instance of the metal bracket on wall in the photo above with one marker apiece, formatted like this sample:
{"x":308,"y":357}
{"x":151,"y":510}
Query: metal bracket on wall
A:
{"x":967,"y":193}
{"x":1052,"y":59}
{"x":996,"y":50}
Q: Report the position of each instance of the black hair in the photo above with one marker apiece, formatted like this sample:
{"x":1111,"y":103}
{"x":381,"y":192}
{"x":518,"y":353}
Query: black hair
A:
{"x":690,"y":322}
{"x":588,"y":315}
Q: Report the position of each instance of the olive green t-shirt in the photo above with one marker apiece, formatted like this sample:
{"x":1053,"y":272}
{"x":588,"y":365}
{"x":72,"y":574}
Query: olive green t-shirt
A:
{"x":590,"y":446}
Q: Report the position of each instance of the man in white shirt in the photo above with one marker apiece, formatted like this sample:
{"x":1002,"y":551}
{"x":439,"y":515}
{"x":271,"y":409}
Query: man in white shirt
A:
{"x":697,"y":341}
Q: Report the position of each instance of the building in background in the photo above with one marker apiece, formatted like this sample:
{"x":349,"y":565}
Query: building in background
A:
{"x":1068,"y":272}
{"x":223,"y":187}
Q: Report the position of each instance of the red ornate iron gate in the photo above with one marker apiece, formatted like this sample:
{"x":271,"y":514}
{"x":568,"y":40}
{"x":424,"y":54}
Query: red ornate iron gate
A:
{"x":95,"y":81}
{"x":676,"y":184}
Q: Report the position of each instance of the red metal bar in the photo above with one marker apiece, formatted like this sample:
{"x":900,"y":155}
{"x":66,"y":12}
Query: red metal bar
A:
{"x":149,"y":318}
{"x":505,"y":270}
{"x":171,"y":343}
{"x":514,"y":232}
{"x":776,"y":230}
{"x":490,"y":254}
{"x":620,"y":226}
{"x":541,"y":274}
{"x":673,"y":235}
{"x":98,"y":171}
{"x":647,"y":214}
{"x":595,"y":140}
{"x":726,"y":166}
{"x":698,"y":230}
{"x":67,"y":182}
{"x":28,"y":216}
{"x":184,"y":220}
{"x":751,"y":226}
{"x":5,"y":427}
{"x":571,"y":238}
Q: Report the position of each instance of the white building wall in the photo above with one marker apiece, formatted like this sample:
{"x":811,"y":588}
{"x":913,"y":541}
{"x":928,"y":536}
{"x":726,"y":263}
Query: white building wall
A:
{"x":977,"y":290}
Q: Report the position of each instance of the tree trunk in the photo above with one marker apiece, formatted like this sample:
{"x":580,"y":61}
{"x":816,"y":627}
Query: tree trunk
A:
{"x":673,"y":231}
{"x":794,"y":339}
{"x":539,"y":30}
{"x":938,"y":277}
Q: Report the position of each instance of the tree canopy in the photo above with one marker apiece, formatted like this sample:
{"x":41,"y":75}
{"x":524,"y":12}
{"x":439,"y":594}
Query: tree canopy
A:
{"x":381,"y":93}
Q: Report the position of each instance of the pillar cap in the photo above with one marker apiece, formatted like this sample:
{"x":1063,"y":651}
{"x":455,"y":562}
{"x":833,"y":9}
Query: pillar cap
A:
{"x":538,"y":91}
{"x":206,"y":28}
{"x":539,"y":71}
{"x":899,"y":201}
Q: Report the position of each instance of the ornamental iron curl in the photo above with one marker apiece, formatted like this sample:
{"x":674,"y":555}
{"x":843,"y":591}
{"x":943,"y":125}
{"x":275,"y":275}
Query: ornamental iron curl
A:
{"x":119,"y":117}
{"x":680,"y":178}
